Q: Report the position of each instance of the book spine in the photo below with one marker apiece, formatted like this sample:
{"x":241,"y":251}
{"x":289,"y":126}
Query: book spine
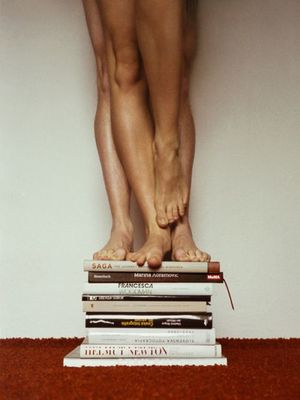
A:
{"x":144,"y":306}
{"x":151,"y":336}
{"x":150,"y":298}
{"x":115,"y":277}
{"x":166,"y":266}
{"x":147,"y":288}
{"x":148,"y":322}
{"x":149,"y":351}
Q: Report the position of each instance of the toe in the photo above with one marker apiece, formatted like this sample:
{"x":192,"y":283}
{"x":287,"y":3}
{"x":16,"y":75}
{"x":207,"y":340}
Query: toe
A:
{"x":161,"y":217}
{"x":154,"y":261}
{"x":110,"y":254}
{"x":206,"y":256}
{"x":198,"y":255}
{"x":103,"y":255}
{"x":180,"y":255}
{"x":131,"y":256}
{"x":185,"y":197}
{"x":141,"y":260}
{"x":180,"y":207}
{"x":170,"y":213}
{"x":191,"y":255}
{"x":175,"y":212}
{"x":119,"y":254}
{"x":135,"y":256}
{"x":201,"y":256}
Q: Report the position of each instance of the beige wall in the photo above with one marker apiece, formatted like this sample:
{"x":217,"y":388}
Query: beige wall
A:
{"x":245,"y":201}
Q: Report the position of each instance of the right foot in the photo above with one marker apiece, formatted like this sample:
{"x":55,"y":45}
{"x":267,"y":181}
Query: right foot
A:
{"x":170,"y":191}
{"x":118,"y":246}
{"x":153,"y":250}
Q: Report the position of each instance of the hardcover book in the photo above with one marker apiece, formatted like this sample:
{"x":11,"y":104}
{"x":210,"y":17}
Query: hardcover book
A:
{"x":166,"y":266}
{"x":114,"y":277}
{"x":180,"y":321}
{"x":121,"y":336}
{"x":145,"y":306}
{"x":73,"y":359}
{"x":90,"y":350}
{"x":150,"y":288}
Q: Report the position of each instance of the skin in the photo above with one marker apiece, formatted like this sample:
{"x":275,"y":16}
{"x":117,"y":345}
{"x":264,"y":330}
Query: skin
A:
{"x":183,"y":246}
{"x":164,"y":79}
{"x":131,"y":120}
{"x":121,"y":237}
{"x":122,"y":87}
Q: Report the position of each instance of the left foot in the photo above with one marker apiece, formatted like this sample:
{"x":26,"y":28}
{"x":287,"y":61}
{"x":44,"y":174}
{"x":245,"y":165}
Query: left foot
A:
{"x":118,"y":245}
{"x":184,"y":247}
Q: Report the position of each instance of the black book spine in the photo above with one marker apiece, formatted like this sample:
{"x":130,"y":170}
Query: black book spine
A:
{"x":115,"y":277}
{"x":97,"y":297}
{"x":136,"y":314}
{"x":168,"y":323}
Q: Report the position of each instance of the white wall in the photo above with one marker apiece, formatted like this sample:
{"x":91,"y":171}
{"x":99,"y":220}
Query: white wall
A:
{"x":245,"y":201}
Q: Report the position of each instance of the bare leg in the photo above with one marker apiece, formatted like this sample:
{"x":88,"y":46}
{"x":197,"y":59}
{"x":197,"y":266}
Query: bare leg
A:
{"x":116,"y":184}
{"x":160,"y":31}
{"x":131,"y":121}
{"x":183,"y":245}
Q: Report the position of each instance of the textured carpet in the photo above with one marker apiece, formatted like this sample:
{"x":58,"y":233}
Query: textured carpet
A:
{"x":258,"y":369}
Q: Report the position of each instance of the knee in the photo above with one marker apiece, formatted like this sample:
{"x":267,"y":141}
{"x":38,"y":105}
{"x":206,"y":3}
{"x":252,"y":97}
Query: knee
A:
{"x":103,"y":82}
{"x":128,"y":66}
{"x":102,"y":77}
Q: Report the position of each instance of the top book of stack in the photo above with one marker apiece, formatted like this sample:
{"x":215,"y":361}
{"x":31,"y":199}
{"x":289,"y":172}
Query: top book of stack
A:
{"x":212,"y":267}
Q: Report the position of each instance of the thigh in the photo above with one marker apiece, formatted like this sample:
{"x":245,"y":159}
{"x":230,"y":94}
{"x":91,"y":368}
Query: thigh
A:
{"x":124,"y":64}
{"x":190,"y":34}
{"x":94,"y":24}
{"x":118,"y":17}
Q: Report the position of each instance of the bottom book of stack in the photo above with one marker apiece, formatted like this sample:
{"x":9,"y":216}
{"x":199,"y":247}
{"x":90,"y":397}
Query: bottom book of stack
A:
{"x":73,"y":359}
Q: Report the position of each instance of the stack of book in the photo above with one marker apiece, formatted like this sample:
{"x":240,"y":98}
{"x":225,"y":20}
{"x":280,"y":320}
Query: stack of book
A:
{"x":140,"y":316}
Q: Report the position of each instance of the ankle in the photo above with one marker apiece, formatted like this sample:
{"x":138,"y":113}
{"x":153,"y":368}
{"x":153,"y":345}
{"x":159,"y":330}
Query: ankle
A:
{"x":154,"y":229}
{"x":182,"y":227}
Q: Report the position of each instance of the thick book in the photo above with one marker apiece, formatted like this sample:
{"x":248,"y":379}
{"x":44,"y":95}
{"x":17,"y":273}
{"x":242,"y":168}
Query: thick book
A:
{"x":90,"y":350}
{"x":150,"y":288}
{"x":144,"y":306}
{"x":166,"y":266}
{"x":121,"y":336}
{"x":162,"y":321}
{"x":113,"y":277}
{"x":73,"y":359}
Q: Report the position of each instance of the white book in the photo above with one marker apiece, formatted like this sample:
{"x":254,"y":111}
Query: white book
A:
{"x":151,"y":336}
{"x":150,"y":288}
{"x":73,"y":359}
{"x":166,"y":266}
{"x":89,"y":350}
{"x":144,"y":306}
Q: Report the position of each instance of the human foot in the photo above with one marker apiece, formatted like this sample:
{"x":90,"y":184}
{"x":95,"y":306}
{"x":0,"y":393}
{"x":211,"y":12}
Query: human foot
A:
{"x":171,"y":193}
{"x":153,"y":250}
{"x":184,"y":247}
{"x":117,"y":247}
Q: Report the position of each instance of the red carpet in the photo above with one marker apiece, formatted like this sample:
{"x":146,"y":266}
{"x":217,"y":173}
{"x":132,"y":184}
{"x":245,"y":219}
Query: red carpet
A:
{"x":258,"y":369}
